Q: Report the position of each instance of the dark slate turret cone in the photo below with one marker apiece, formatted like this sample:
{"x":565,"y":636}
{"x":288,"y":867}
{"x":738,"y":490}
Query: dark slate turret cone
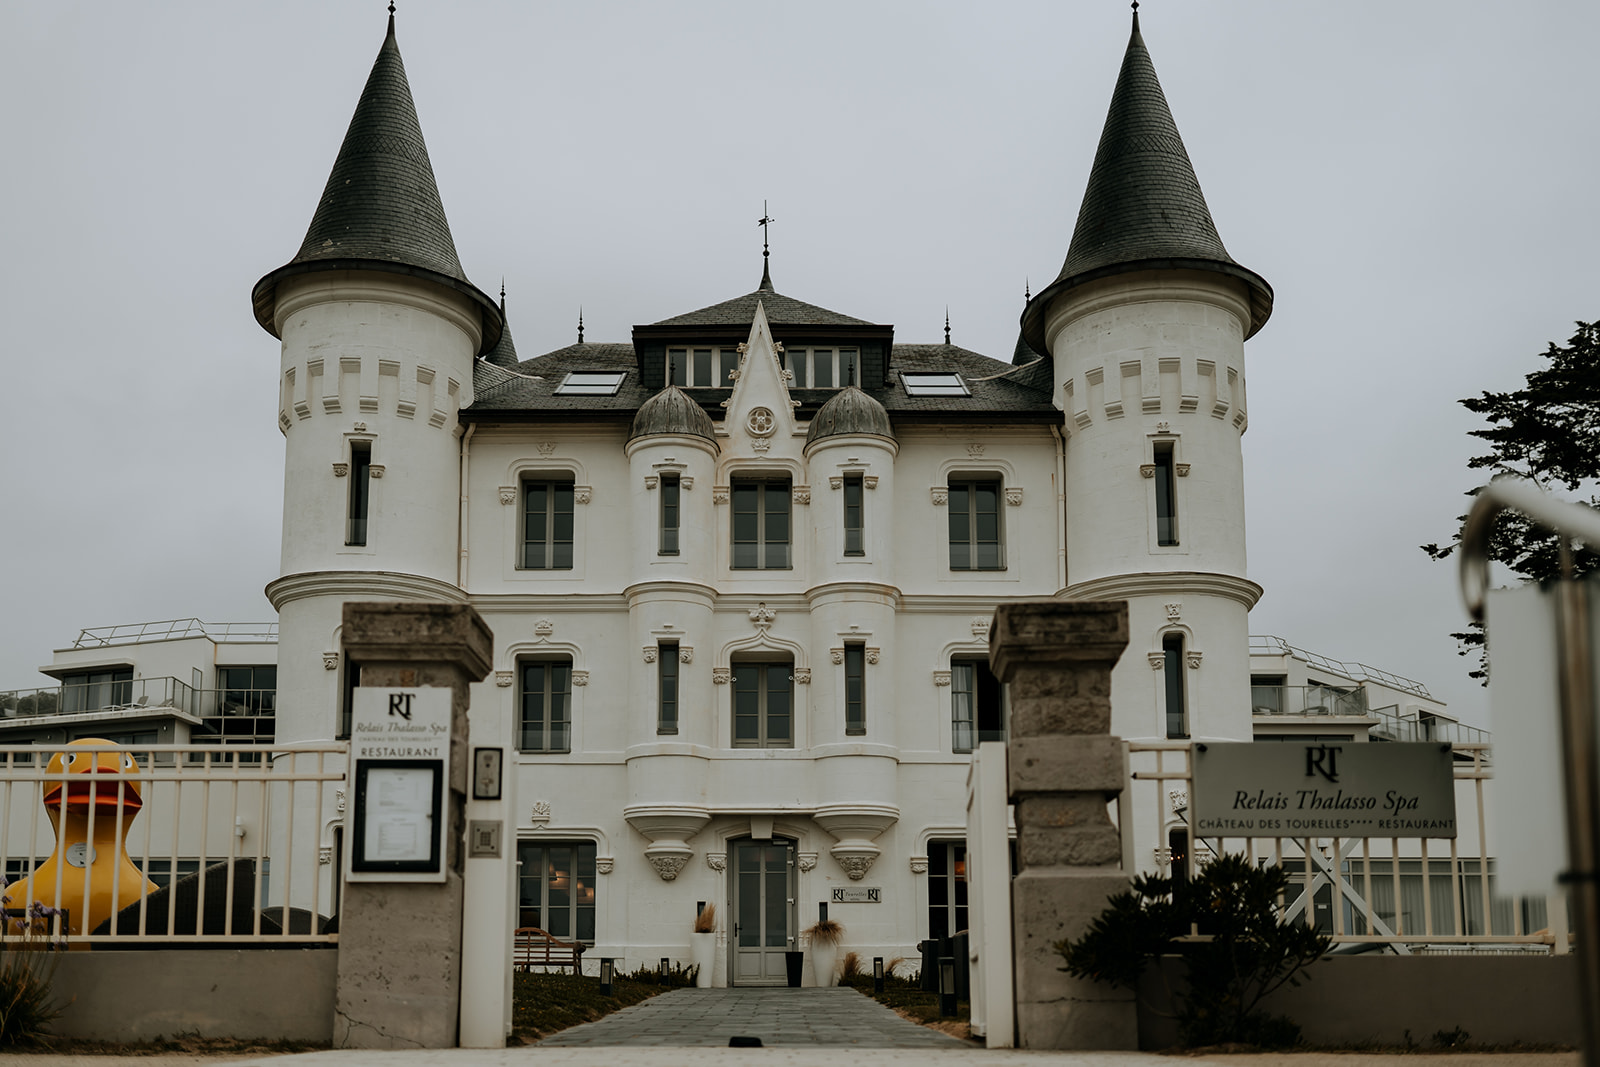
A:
{"x":381,"y":209}
{"x":849,"y":411}
{"x":672,"y":411}
{"x":1143,"y":208}
{"x":504,"y":353}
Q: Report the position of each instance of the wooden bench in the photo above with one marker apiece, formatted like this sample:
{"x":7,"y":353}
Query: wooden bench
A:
{"x":532,"y":947}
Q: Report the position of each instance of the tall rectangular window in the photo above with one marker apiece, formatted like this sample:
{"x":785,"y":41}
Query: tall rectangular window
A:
{"x":855,"y":689}
{"x":556,"y":885}
{"x":761,"y":524}
{"x":763,"y":706}
{"x":701,"y":368}
{"x":947,"y":888}
{"x":546,"y":698}
{"x":977,"y":709}
{"x":854,"y":542}
{"x":667,"y":688}
{"x":547,"y":525}
{"x":975,"y":543}
{"x":1166,"y":496}
{"x":1172,"y":675}
{"x":669,"y":515}
{"x":94,"y":690}
{"x":245,"y":708}
{"x":360,"y":492}
{"x":347,"y":705}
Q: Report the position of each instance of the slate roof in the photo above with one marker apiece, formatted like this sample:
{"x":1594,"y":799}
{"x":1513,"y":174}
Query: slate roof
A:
{"x":672,"y":411}
{"x":850,"y":411}
{"x":504,"y":353}
{"x":781,"y":311}
{"x":1143,"y":207}
{"x":381,"y":208}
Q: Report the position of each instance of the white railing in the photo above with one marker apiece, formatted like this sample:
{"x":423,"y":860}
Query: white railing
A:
{"x":172,"y":843}
{"x":1406,"y":894}
{"x":175,"y":629}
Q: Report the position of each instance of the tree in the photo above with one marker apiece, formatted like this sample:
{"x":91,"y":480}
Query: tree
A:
{"x":1548,"y":432}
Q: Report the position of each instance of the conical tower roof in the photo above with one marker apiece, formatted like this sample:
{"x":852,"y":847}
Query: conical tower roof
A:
{"x":504,"y":353}
{"x":672,"y":411}
{"x":381,"y":209}
{"x":1143,"y":208}
{"x":849,"y":412}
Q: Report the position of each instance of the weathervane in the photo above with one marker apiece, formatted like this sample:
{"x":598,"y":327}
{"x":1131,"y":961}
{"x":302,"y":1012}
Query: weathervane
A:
{"x":764,"y":222}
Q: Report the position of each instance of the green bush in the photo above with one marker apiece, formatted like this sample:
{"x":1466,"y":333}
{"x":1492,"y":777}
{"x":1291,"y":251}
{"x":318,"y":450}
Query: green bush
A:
{"x":28,"y":962}
{"x":1243,"y":952}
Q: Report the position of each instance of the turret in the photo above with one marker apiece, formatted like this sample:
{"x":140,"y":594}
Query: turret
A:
{"x":380,"y":327}
{"x":1145,"y":329}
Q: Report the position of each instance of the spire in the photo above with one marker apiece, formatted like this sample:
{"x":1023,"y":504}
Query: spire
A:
{"x":947,"y":324}
{"x":765,"y":221}
{"x":381,"y":209}
{"x":504,"y":353}
{"x":1143,"y":207}
{"x":580,"y":324}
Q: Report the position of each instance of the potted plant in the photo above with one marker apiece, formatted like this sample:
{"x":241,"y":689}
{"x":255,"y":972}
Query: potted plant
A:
{"x":703,"y":945}
{"x":825,"y":936}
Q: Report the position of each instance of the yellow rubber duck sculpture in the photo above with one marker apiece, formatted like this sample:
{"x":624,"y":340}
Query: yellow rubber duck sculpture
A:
{"x":67,"y":803}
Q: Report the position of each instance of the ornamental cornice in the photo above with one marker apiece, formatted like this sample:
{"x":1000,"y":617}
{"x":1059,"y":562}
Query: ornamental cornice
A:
{"x":1166,"y":584}
{"x":360,"y":585}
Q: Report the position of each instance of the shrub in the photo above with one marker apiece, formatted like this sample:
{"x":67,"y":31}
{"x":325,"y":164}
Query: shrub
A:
{"x":826,"y":932}
{"x":851,"y":964}
{"x":1244,"y":952}
{"x":27,"y":965}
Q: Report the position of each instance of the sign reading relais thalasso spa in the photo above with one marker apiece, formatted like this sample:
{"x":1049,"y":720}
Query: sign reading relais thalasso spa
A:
{"x":399,"y":755}
{"x":1350,"y":789}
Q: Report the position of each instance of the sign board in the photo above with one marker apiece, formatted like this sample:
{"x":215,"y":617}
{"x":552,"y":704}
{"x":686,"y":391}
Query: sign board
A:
{"x":1355,"y":789}
{"x":399,"y":760}
{"x":857,"y":894}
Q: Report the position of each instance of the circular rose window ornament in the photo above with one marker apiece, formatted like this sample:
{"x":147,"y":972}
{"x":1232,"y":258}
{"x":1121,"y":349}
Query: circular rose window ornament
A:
{"x":761,"y":422}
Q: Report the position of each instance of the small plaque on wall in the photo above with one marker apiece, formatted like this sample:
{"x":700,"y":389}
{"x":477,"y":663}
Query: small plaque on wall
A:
{"x":857,"y":894}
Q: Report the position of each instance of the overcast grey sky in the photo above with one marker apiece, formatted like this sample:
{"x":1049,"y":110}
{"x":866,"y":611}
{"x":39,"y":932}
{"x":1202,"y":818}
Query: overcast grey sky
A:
{"x":1415,"y":180}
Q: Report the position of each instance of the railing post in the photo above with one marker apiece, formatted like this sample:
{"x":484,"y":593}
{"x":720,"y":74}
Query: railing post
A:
{"x":1063,"y":767}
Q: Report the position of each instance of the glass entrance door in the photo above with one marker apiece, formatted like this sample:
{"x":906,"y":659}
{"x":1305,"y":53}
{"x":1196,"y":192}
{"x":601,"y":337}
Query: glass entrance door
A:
{"x":763,"y":889}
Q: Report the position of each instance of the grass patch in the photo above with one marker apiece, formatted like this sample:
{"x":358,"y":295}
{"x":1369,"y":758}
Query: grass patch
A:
{"x":187,"y":1044}
{"x":908,"y":999}
{"x":543,"y":1004}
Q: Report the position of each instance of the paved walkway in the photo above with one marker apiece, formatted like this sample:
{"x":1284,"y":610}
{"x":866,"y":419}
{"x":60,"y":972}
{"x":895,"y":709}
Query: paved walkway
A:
{"x":708,"y":1018}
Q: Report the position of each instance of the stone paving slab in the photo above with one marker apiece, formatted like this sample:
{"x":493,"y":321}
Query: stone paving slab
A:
{"x":707,"y":1018}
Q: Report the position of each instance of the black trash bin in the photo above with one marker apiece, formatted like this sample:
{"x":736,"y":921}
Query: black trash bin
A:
{"x":794,"y":963}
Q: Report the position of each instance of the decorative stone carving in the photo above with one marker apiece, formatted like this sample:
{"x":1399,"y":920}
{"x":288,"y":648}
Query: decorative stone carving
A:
{"x":870,"y":481}
{"x":761,"y":444}
{"x":719,"y":494}
{"x":742,"y":347}
{"x":808,"y":861}
{"x":605,"y":864}
{"x":508,"y":494}
{"x":720,"y":675}
{"x":1014,"y":496}
{"x":1182,"y":469}
{"x":835,"y":481}
{"x":324,"y":856}
{"x":376,"y":470}
{"x":540,"y":813}
{"x":650,"y":652}
{"x":1179,"y":799}
{"x":717,"y":861}
{"x":940,"y":494}
{"x":651,"y":480}
{"x":1174,"y":610}
{"x":837,"y":655}
{"x":980,"y":626}
{"x":668,"y":864}
{"x":580,"y":677}
{"x":941,"y":678}
{"x":339,"y":800}
{"x":1158,"y":660}
{"x":761,"y":422}
{"x":801,"y":494}
{"x":546,"y":448}
{"x":1147,"y":470}
{"x":685,"y":654}
{"x":503,"y":679}
{"x":1194,"y":660}
{"x":543,"y":628}
{"x":582,"y":494}
{"x":802,"y":676}
{"x":1163,"y":856}
{"x":856,"y":864}
{"x":1163,"y":427}
{"x":777,"y":346}
{"x":341,"y":469}
{"x":686,"y":482}
{"x":919,"y":865}
{"x":975,"y":450}
{"x":330,"y":661}
{"x":762,"y":615}
{"x":872,"y":655}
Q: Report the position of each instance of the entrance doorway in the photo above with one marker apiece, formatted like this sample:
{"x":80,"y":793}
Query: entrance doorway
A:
{"x":763,"y":908}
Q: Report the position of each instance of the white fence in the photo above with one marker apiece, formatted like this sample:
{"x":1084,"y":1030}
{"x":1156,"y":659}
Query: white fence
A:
{"x":172,"y":843}
{"x":1406,"y":894}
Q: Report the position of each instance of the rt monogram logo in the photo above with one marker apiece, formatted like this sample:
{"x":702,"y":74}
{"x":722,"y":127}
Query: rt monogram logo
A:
{"x":400,"y":704}
{"x":1323,"y":760}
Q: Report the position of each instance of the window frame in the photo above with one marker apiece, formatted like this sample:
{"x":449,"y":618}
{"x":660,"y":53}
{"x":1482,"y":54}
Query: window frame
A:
{"x":584,"y":856}
{"x":855,"y":689}
{"x":838,"y":357}
{"x":723,"y":359}
{"x":853,"y":487}
{"x":669,"y":680}
{"x":947,"y":862}
{"x":553,"y":485}
{"x":986,"y":699}
{"x":550,"y":742}
{"x":590,"y":385}
{"x":1174,"y":687}
{"x":670,"y":512}
{"x":763,"y":714}
{"x":762,"y":544}
{"x":1164,"y":457}
{"x":358,"y":507}
{"x":970,"y":485}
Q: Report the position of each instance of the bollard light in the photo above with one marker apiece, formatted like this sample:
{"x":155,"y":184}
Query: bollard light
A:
{"x":877,"y":974}
{"x":606,"y":968}
{"x":947,"y":986}
{"x":665,"y":963}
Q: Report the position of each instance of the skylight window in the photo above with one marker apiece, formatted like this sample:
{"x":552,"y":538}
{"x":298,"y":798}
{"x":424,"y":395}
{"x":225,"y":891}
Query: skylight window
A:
{"x":934,"y":385}
{"x":591,"y":383}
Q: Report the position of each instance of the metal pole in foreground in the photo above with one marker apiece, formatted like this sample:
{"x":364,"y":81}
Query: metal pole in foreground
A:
{"x":1579,"y":755}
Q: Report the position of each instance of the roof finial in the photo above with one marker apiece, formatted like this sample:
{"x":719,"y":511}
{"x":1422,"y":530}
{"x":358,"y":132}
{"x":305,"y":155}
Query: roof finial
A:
{"x":391,"y":6}
{"x":580,"y":324}
{"x":1135,"y":16}
{"x":947,"y":324}
{"x":764,"y":222}
{"x":1027,"y":290}
{"x":502,"y":292}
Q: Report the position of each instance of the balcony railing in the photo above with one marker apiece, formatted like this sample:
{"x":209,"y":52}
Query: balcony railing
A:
{"x":175,"y":629}
{"x":1392,"y":726}
{"x":86,"y":698}
{"x":1299,"y":700}
{"x":1268,"y":645}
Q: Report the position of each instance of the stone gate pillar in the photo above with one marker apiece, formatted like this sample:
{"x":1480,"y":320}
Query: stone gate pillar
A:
{"x":399,"y":982}
{"x":1064,"y":766}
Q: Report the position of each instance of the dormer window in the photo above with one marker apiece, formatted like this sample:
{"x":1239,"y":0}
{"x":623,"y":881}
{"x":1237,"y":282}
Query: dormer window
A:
{"x":823,"y":368}
{"x":701,"y":368}
{"x":918,"y":384}
{"x":591,"y":383}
